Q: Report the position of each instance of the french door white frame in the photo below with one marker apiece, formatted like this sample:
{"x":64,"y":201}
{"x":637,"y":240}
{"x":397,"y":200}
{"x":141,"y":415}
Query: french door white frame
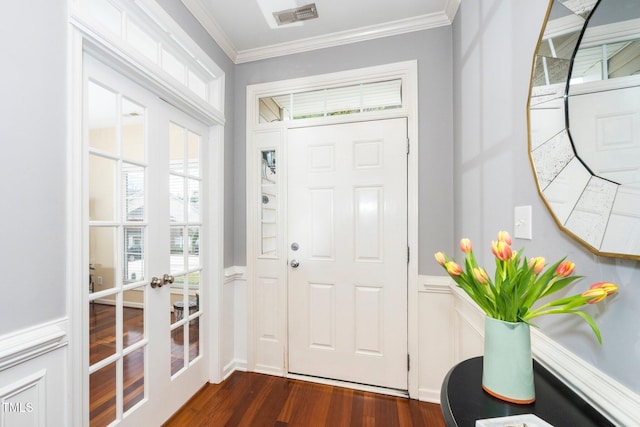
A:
{"x":268,"y":354}
{"x":85,"y":37}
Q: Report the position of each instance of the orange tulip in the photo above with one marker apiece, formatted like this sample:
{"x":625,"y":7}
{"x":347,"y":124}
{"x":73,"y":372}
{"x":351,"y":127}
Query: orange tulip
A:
{"x":504,"y":236}
{"x":441,"y":258}
{"x":537,"y":264}
{"x":465,"y":245}
{"x":501,"y":250}
{"x":453,"y":268}
{"x":565,"y":268}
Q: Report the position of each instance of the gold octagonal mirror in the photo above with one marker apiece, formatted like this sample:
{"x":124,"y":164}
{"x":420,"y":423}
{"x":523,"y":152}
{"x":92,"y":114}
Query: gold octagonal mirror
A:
{"x":584,"y":122}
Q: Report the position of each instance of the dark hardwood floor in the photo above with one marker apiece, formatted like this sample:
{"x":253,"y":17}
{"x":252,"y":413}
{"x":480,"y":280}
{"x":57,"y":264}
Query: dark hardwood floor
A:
{"x":244,"y":399}
{"x":256,"y":400}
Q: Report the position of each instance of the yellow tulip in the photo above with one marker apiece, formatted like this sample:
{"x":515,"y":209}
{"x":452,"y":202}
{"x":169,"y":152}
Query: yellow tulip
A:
{"x":537,"y":264}
{"x":465,"y":245}
{"x":453,"y":268}
{"x":441,"y":258}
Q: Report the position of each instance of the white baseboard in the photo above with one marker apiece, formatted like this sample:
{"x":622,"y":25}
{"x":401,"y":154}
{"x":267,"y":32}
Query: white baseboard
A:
{"x":429,"y":395}
{"x":231,"y":367}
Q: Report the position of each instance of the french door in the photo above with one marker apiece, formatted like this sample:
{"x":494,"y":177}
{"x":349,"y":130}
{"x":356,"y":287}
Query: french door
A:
{"x":145,"y":229}
{"x":347,"y":226}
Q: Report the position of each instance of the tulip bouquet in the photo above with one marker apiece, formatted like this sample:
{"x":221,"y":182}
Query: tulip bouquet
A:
{"x":520,"y":282}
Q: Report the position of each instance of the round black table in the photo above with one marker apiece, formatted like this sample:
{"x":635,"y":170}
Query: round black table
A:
{"x":463,"y":401}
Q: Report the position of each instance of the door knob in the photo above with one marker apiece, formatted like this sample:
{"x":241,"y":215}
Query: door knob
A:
{"x":166,"y":278}
{"x":294,"y":263}
{"x":156,"y":282}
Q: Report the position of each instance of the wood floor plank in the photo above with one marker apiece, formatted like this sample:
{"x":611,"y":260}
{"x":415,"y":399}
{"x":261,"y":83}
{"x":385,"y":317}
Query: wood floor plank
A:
{"x":254,"y":400}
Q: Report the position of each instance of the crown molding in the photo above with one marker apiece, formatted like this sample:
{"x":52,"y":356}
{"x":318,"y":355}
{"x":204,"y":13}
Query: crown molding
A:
{"x":203,"y":15}
{"x":418,"y":23}
{"x":403,"y":26}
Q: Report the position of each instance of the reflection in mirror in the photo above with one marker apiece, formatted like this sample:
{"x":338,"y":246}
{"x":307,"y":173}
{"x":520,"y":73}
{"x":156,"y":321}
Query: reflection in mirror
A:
{"x":269,"y":206}
{"x":584,"y":125}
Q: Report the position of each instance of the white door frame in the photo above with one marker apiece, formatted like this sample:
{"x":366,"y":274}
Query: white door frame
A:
{"x":86,"y":35}
{"x":267,"y":275}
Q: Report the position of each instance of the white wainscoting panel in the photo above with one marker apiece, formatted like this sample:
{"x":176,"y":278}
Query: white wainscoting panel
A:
{"x":34,"y":376}
{"x":233,"y":348}
{"x":436,"y":343}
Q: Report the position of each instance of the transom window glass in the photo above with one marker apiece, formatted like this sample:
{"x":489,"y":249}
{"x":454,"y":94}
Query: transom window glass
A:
{"x":351,"y":99}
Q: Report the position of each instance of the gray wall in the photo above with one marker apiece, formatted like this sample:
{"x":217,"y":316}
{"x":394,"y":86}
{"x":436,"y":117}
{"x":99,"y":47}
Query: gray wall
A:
{"x":182,"y":16}
{"x":493,"y":46}
{"x":432,"y":49}
{"x":33,"y":125}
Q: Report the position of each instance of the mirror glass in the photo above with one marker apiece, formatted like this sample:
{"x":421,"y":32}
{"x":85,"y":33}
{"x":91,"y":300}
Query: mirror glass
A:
{"x":584,"y":122}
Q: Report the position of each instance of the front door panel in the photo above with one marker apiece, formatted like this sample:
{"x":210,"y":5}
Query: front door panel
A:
{"x":347,"y":215}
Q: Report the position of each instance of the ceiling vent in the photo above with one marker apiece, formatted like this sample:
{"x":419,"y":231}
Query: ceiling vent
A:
{"x":296,"y":14}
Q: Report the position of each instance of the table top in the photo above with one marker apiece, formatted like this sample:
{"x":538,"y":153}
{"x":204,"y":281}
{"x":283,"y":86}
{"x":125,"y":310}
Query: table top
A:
{"x":463,"y":401}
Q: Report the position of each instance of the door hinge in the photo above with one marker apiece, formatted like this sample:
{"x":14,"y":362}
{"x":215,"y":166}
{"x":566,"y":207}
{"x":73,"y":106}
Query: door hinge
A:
{"x":408,"y":146}
{"x":408,"y":254}
{"x":408,"y":362}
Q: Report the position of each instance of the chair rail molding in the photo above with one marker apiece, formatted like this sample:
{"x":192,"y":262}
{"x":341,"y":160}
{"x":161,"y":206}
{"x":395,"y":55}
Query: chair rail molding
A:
{"x":26,"y":344}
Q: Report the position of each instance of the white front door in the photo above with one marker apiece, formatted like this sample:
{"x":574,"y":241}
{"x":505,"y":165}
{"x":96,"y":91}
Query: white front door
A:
{"x":144,"y":301}
{"x":347,"y":231}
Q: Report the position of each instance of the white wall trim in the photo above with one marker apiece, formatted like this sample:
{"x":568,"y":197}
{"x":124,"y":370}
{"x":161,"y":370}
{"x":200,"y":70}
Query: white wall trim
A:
{"x":231,"y":274}
{"x":615,"y":401}
{"x":26,"y":344}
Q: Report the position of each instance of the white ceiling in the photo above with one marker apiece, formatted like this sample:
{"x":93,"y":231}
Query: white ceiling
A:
{"x":241,"y":30}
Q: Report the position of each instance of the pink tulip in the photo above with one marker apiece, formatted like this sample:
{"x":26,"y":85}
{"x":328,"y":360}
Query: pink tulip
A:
{"x":565,"y":268}
{"x":537,"y":264}
{"x":465,"y":245}
{"x":441,"y":258}
{"x":481,"y":275}
{"x":501,"y":250}
{"x":504,"y":236}
{"x":453,"y":268}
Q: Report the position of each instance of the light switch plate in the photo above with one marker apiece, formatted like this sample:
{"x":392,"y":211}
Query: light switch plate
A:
{"x":522,"y":223}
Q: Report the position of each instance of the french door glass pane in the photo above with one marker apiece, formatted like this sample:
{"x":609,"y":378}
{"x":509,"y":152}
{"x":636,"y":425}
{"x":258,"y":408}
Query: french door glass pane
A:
{"x":102,"y":332}
{"x":102,"y":118}
{"x":133,"y":378}
{"x":193,"y":192}
{"x":193,"y":154}
{"x":177,"y":349}
{"x":176,"y":148}
{"x":177,"y":250}
{"x":194,"y":339}
{"x":102,"y":257}
{"x":102,"y":396}
{"x":176,"y":201}
{"x":133,"y":128}
{"x":133,"y":260}
{"x":102,"y":178}
{"x":133,"y":316}
{"x":134,"y":200}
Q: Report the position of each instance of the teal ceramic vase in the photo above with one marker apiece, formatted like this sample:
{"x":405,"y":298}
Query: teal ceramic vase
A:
{"x":507,"y":371}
